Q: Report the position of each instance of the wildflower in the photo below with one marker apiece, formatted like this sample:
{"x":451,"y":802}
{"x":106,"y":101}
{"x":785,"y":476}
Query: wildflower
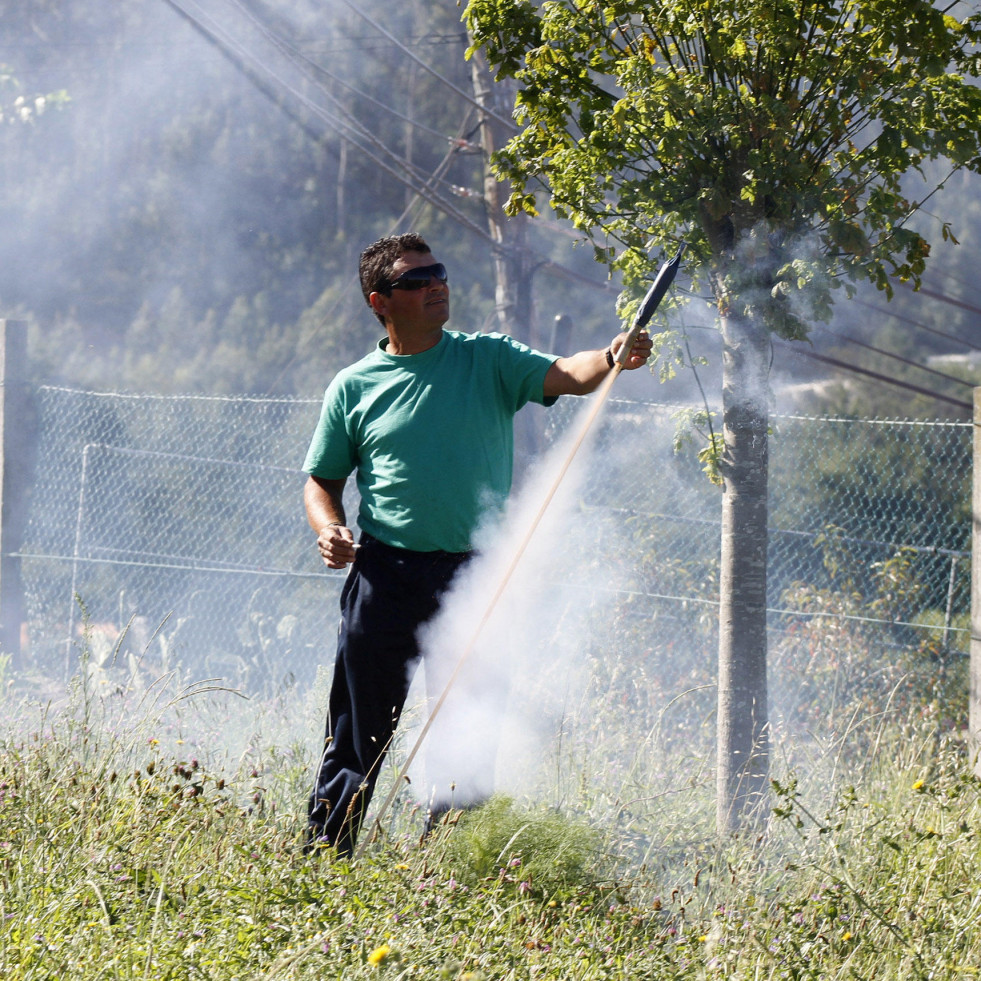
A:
{"x":918,"y":785}
{"x":379,"y":955}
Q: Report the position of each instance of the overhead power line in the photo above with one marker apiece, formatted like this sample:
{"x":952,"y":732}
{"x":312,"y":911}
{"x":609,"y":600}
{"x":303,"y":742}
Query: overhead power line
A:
{"x":352,"y":42}
{"x":226,"y":50}
{"x":503,"y":120}
{"x":896,"y":357}
{"x":877,"y":376}
{"x":916,"y":323}
{"x":947,"y":273}
{"x":348,"y":128}
{"x":362,"y":42}
{"x":293,"y":52}
{"x":944,"y":298}
{"x":421,"y":184}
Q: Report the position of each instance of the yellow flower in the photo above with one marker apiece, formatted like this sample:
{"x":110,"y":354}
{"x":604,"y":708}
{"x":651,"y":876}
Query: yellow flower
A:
{"x":378,"y":955}
{"x":918,"y":785}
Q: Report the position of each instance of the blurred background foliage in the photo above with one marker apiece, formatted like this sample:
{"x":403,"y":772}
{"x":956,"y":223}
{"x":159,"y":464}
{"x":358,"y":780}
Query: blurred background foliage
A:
{"x":187,"y":214}
{"x":183,"y":210}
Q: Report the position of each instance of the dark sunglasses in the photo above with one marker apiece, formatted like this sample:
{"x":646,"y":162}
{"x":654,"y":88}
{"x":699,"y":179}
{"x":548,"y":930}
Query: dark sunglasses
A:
{"x":418,"y":279}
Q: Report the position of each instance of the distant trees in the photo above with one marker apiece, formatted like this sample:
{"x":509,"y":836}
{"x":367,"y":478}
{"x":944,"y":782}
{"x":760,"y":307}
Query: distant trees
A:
{"x":193,"y":219}
{"x":182,"y":164}
{"x":18,"y":108}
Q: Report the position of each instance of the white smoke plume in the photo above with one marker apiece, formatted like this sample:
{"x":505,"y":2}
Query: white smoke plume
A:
{"x":511,"y":635}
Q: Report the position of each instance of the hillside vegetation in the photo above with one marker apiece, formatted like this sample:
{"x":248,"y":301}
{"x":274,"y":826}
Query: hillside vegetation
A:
{"x":128,"y":853}
{"x":183,"y":209}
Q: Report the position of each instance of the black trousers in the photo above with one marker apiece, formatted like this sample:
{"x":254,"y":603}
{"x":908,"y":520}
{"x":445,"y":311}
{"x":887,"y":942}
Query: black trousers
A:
{"x":389,"y":593}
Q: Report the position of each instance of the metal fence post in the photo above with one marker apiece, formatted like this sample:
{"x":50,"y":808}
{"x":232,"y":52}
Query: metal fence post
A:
{"x":974,"y":716}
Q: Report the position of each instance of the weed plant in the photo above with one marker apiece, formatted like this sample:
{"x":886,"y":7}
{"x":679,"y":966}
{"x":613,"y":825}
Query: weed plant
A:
{"x":156,"y":831}
{"x":126,"y":855}
{"x":543,"y":852}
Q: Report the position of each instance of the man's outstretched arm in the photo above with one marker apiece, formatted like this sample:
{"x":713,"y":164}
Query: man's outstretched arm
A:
{"x":581,"y":373}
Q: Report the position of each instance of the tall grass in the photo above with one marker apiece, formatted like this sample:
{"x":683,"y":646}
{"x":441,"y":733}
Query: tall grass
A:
{"x":130,"y":850}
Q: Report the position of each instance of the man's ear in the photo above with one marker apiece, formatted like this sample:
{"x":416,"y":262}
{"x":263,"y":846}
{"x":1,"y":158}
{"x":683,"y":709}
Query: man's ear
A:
{"x":378,"y":303}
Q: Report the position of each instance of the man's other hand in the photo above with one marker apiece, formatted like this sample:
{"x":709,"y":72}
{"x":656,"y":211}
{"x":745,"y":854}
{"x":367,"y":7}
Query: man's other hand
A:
{"x":337,"y":546}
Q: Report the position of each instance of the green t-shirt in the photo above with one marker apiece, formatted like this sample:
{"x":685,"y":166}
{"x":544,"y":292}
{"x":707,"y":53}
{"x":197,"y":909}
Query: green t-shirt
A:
{"x":430,"y":436}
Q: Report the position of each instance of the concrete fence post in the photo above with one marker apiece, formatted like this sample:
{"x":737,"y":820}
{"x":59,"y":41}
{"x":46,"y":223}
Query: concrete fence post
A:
{"x":16,"y":446}
{"x":974,"y":715}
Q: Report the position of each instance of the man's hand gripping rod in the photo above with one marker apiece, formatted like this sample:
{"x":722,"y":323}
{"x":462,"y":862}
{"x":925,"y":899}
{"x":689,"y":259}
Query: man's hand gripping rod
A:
{"x":663,"y":279}
{"x":655,"y":294}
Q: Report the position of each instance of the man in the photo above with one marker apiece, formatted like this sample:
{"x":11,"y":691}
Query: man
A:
{"x":425,"y":422}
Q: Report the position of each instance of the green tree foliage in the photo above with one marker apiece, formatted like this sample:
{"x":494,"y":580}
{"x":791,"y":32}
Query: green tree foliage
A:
{"x":773,"y":138}
{"x":781,"y":129}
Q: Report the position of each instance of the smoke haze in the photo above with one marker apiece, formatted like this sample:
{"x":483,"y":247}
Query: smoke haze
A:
{"x":190,"y":218}
{"x":178,"y":221}
{"x":572,"y":633}
{"x":500,"y":627}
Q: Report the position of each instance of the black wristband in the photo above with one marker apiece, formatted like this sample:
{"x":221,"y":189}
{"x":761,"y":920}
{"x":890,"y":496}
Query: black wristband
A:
{"x":609,"y":358}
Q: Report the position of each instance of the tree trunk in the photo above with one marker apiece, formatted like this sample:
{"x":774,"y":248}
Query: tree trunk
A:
{"x":743,"y":741}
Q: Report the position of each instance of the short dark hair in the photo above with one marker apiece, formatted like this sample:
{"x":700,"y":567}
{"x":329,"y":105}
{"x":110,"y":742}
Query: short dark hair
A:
{"x":377,"y":261}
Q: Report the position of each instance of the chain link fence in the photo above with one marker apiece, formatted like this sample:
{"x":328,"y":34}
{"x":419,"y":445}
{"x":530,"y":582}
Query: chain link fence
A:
{"x":169,"y":530}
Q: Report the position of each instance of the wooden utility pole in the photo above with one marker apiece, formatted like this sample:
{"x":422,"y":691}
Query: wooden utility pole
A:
{"x":974,"y":704}
{"x":16,"y":443}
{"x":512,"y":274}
{"x":513,"y":270}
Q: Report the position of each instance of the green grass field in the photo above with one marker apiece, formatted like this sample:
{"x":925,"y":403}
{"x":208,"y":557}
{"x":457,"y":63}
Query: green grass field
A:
{"x":157,"y":835}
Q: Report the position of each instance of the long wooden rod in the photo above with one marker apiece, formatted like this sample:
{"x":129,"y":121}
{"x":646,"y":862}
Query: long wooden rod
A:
{"x":600,"y":397}
{"x":661,"y":283}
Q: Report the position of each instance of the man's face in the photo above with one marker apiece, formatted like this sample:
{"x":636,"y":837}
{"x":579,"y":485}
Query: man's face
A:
{"x":428,"y":307}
